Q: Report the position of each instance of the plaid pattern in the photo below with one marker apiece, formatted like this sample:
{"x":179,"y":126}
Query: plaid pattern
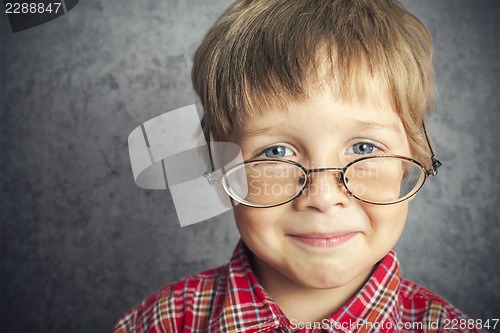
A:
{"x":230,"y":299}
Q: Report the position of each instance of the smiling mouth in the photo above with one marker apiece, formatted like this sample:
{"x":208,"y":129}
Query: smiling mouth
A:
{"x":324,"y":240}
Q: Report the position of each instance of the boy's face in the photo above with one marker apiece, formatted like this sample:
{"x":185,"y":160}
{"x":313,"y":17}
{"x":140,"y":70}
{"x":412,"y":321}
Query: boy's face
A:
{"x":325,"y":239}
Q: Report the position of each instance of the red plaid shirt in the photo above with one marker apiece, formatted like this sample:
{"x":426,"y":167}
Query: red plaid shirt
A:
{"x":230,"y":299}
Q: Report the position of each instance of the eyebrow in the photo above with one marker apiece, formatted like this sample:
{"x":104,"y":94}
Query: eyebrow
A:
{"x":365,"y":125}
{"x":271,"y":130}
{"x":358,"y":125}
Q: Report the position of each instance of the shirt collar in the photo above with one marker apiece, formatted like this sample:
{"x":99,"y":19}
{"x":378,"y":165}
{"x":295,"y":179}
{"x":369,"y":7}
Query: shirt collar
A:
{"x":243,"y":306}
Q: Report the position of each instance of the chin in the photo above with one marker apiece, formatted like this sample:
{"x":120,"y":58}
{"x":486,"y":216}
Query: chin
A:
{"x":330,"y":280}
{"x":327,"y":284}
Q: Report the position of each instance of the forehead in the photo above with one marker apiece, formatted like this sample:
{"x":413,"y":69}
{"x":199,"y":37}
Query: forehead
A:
{"x":363,"y":100}
{"x":323,"y":113}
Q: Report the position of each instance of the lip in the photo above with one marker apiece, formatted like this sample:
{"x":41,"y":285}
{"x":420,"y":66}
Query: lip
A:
{"x":324,"y":239}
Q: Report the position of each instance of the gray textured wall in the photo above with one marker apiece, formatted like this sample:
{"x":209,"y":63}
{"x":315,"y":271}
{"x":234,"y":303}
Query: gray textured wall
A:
{"x":80,"y":243}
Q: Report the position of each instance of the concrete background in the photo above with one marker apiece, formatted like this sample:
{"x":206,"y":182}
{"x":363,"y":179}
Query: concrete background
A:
{"x":81,"y":244}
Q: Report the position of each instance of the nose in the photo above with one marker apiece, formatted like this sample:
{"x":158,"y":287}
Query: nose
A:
{"x":324,"y":190}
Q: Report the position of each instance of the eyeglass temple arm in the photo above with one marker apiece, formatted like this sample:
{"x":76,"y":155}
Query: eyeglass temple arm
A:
{"x":210,"y":149}
{"x":210,"y":173}
{"x":435,"y":162}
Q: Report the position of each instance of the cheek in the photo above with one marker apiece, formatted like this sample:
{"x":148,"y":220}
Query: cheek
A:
{"x":245,"y":221}
{"x":261,"y":230}
{"x":387,"y":222}
{"x":257,"y":224}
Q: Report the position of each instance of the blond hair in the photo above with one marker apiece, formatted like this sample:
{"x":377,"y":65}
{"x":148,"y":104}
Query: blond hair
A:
{"x":264,"y":52}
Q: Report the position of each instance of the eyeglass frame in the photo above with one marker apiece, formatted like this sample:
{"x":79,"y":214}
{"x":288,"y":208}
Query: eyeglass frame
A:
{"x":433,"y":171}
{"x":340,"y":178}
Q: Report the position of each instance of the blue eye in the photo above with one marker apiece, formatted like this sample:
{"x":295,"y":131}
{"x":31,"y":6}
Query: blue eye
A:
{"x":276,"y":152}
{"x":363,"y":148}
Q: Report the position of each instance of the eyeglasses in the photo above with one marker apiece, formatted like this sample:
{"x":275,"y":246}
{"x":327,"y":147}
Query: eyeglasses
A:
{"x":375,"y":179}
{"x":380,"y":180}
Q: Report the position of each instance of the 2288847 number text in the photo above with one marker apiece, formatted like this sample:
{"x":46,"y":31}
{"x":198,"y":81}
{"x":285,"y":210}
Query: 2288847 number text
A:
{"x":32,"y":7}
{"x":463,"y":324}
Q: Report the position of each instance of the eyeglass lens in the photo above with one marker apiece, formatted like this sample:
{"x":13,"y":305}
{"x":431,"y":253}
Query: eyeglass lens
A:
{"x":378,"y":180}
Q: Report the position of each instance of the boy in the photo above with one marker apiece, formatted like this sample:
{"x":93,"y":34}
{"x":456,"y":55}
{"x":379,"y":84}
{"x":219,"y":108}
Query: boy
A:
{"x":326,"y":100}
